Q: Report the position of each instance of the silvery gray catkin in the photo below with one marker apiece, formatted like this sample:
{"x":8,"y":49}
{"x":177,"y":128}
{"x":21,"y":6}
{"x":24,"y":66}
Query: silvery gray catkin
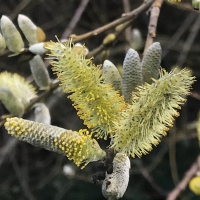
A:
{"x":132,"y":74}
{"x":111,"y":75}
{"x":40,"y":73}
{"x":115,"y":184}
{"x":151,"y":62}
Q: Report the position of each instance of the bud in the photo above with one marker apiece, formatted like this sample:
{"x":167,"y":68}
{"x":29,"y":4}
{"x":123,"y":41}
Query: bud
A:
{"x":111,"y":75}
{"x":40,"y":73}
{"x":194,"y":185}
{"x":11,"y":35}
{"x":151,"y":62}
{"x":132,"y":74}
{"x":109,"y":38}
{"x":196,"y":4}
{"x":38,"y":48}
{"x":80,"y":49}
{"x":137,"y":40}
{"x":115,"y":184}
{"x":18,"y":87}
{"x":42,"y":114}
{"x":32,"y":33}
{"x":11,"y":102}
{"x":2,"y":43}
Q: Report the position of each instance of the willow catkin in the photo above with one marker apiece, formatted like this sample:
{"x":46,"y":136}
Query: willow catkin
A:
{"x":115,"y":184}
{"x":77,"y":146}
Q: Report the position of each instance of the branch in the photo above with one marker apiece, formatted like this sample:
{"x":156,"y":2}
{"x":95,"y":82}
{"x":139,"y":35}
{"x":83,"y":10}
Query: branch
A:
{"x":75,"y":19}
{"x":155,"y":12}
{"x":125,"y":17}
{"x":184,"y":182}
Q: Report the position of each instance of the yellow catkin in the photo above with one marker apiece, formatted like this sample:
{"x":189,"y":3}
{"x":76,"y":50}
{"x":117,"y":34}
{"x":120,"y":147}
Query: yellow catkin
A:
{"x":98,"y":104}
{"x":77,"y":146}
{"x":151,"y":112}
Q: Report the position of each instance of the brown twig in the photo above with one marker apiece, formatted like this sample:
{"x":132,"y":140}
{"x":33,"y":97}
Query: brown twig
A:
{"x":183,"y":183}
{"x":125,"y":17}
{"x":102,"y":47}
{"x":128,"y":37}
{"x":155,"y":12}
{"x":75,"y":19}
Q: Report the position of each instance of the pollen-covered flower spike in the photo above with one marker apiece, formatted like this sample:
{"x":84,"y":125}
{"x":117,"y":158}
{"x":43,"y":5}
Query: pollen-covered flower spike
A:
{"x":32,"y":33}
{"x":111,"y":75}
{"x":97,"y":104}
{"x":132,"y":74}
{"x":11,"y":35}
{"x":151,"y":62}
{"x":77,"y":146}
{"x":40,"y":73}
{"x":151,"y":112}
{"x":15,"y":93}
{"x":115,"y":184}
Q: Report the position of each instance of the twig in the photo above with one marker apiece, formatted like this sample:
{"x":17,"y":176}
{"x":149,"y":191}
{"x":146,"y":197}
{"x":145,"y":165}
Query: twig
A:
{"x":126,"y":17}
{"x":189,"y":41}
{"x":75,"y":19}
{"x":19,"y":8}
{"x":149,"y":178}
{"x":155,"y":12}
{"x":128,"y":37}
{"x":102,"y":47}
{"x":184,"y":182}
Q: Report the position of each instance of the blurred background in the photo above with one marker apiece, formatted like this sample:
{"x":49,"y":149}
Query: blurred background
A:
{"x":30,"y":173}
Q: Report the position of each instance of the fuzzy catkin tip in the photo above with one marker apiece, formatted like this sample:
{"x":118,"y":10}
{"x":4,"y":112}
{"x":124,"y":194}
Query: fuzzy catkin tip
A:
{"x":77,"y":146}
{"x":151,"y":112}
{"x":97,"y":104}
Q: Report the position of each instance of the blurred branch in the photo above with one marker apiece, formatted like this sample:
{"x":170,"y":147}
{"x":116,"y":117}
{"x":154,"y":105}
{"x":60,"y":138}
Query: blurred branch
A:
{"x":180,"y":31}
{"x":7,"y":149}
{"x":172,"y":155}
{"x":184,"y":182}
{"x":102,"y":47}
{"x":189,"y":41}
{"x":149,"y":178}
{"x":155,"y":12}
{"x":128,"y":36}
{"x":125,"y":17}
{"x":22,"y":180}
{"x":19,"y":8}
{"x":75,"y":19}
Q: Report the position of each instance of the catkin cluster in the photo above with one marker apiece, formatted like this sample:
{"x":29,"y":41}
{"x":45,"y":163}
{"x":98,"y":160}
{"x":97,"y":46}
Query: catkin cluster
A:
{"x":151,"y":112}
